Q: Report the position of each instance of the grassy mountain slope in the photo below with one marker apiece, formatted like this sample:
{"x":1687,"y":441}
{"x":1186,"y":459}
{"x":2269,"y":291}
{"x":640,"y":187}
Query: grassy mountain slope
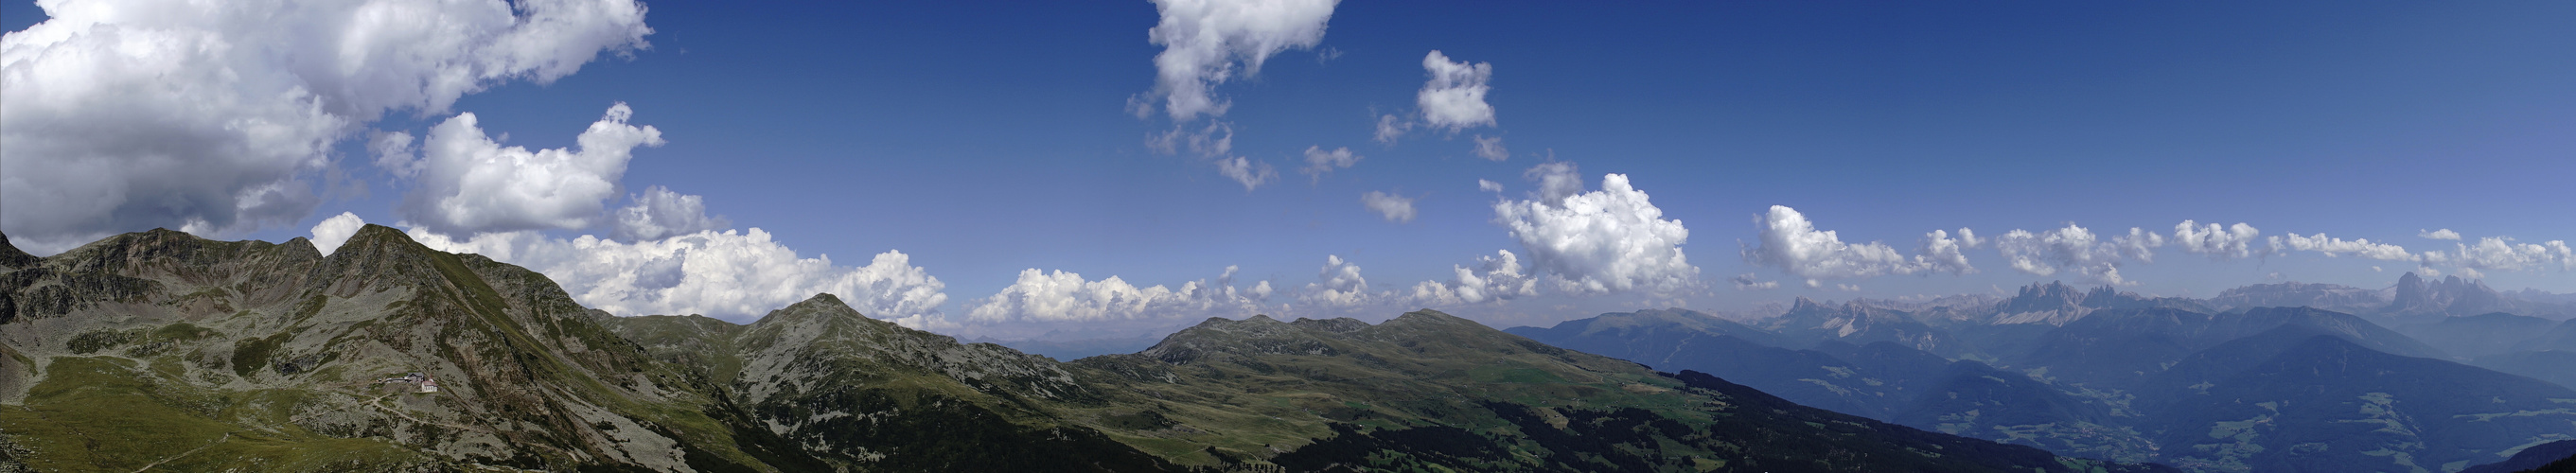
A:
{"x":263,"y":356}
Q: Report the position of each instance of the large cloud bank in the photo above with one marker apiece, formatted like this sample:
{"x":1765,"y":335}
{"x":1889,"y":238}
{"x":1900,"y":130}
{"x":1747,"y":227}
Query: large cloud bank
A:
{"x":1060,"y":296}
{"x":2077,"y":250}
{"x":469,"y":183}
{"x":1792,"y":244}
{"x":1599,"y":242}
{"x":1494,"y":279}
{"x":217,"y":116}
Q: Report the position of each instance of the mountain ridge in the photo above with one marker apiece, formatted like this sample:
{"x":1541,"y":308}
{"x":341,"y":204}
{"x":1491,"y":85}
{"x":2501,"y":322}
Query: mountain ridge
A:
{"x":204,"y":355}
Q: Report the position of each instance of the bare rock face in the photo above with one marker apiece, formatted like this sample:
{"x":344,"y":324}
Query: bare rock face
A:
{"x":2416,"y":300}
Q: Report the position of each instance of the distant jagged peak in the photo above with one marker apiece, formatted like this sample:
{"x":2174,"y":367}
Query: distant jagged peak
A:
{"x":2417,"y":296}
{"x":2051,"y":290}
{"x":2054,"y":303}
{"x":1806,"y":306}
{"x":2104,"y":295}
{"x":2050,"y":296}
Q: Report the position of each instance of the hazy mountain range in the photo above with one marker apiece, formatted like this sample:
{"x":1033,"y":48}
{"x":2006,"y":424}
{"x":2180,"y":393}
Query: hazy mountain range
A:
{"x":160,"y":350}
{"x":2423,"y":376}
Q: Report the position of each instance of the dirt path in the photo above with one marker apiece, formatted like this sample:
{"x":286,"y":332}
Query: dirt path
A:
{"x":218,"y":441}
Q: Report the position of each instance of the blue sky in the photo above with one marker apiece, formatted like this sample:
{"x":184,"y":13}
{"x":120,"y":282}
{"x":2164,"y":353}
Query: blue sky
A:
{"x":981,"y":140}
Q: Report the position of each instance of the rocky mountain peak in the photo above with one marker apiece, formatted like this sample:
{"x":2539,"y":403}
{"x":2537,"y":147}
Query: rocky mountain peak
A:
{"x":2449,"y":296}
{"x":2043,"y":297}
{"x":823,"y":303}
{"x":2054,"y":303}
{"x":13,"y":258}
{"x":821,"y":317}
{"x":2411,"y":291}
{"x":1803,"y":304}
{"x":2105,"y":296}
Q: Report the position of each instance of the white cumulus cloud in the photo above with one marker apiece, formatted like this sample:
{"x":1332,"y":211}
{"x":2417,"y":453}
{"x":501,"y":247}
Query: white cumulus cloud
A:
{"x":732,"y":274}
{"x":1495,"y":278}
{"x":1208,"y":42}
{"x":1395,"y":208}
{"x":1747,"y":281}
{"x":2506,"y":254}
{"x":2442,"y":234}
{"x":1252,"y":174}
{"x":394,"y":153}
{"x":469,"y":183}
{"x":1320,"y":162}
{"x":1339,"y":285}
{"x":216,"y":116}
{"x":1556,"y":181}
{"x":1454,"y":98}
{"x":328,"y":235}
{"x":2077,"y":250}
{"x":1391,"y":127}
{"x":1210,"y":141}
{"x":1491,"y":148}
{"x":2337,"y":247}
{"x":1611,"y":240}
{"x":2229,"y":242}
{"x":1793,"y":244}
{"x":1066,"y":297}
{"x":660,"y":213}
{"x":1942,"y":254}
